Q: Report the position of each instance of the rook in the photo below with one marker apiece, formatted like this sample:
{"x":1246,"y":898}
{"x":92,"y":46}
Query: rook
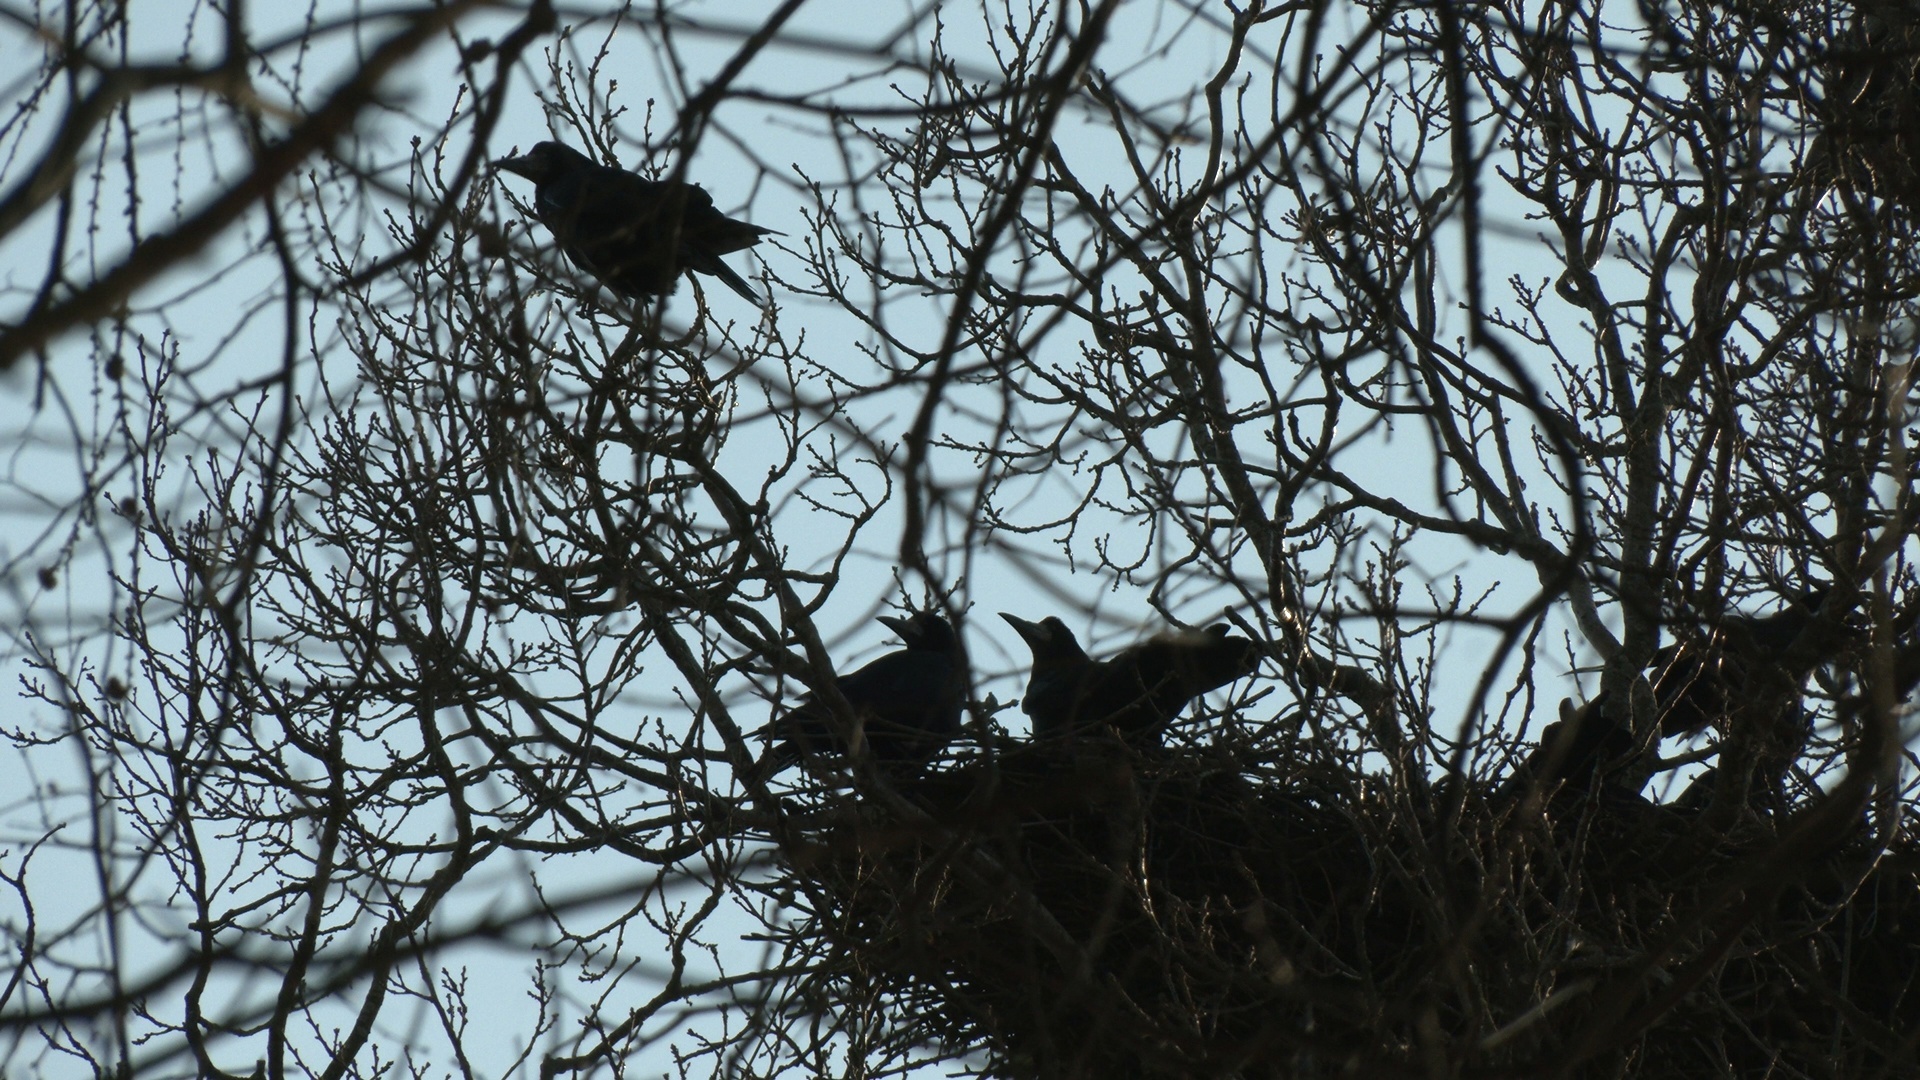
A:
{"x":1137,"y":691}
{"x":637,"y":236}
{"x":906,"y":704}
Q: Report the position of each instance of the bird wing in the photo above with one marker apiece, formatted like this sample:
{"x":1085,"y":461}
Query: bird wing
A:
{"x":706,"y":234}
{"x":1141,"y":689}
{"x":908,"y":703}
{"x":907,"y":690}
{"x":714,"y":232}
{"x":613,"y":225}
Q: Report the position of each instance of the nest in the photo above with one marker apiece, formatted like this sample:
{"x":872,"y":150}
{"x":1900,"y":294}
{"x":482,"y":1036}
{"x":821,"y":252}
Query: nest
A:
{"x":1082,"y":909}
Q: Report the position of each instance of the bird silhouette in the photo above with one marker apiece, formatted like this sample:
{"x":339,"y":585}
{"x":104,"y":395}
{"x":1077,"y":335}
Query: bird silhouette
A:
{"x":1699,"y":680}
{"x":1729,"y":677}
{"x":1137,"y":691}
{"x":1867,"y":123}
{"x":1584,"y":746}
{"x":636,"y":236}
{"x":906,"y":704}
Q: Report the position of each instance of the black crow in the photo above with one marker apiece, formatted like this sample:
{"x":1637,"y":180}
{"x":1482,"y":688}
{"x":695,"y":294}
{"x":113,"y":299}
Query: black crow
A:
{"x":1700,"y":680}
{"x":1137,"y":691}
{"x":906,"y":704}
{"x":1585,"y":744}
{"x":637,"y":236}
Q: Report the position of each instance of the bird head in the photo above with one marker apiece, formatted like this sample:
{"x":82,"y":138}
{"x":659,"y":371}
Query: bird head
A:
{"x":1049,"y":639}
{"x":542,"y":163}
{"x":924,"y":631}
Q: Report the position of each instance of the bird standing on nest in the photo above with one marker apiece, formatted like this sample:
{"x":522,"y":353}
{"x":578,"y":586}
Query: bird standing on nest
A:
{"x":906,"y":704}
{"x":1137,"y":691}
{"x":637,"y":236}
{"x":1729,"y":678}
{"x":1701,"y":679}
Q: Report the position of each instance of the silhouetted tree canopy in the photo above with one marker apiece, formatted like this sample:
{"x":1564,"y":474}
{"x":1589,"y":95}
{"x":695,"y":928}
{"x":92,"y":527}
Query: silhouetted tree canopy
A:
{"x":1470,"y":450}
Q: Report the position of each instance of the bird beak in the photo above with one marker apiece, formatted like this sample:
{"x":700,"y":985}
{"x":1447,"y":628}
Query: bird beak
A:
{"x":524,"y":165}
{"x":896,"y":624}
{"x":1029,"y":632}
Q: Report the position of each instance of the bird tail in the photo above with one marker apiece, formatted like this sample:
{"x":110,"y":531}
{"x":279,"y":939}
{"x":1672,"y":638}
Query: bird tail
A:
{"x":714,"y":266}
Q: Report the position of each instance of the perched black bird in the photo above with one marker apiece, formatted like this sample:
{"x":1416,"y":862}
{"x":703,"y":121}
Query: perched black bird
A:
{"x":1698,"y":681}
{"x":907,"y":703}
{"x":1137,"y":691}
{"x":1868,"y":120}
{"x":1583,"y":746}
{"x":1728,"y":678}
{"x":637,"y":236}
